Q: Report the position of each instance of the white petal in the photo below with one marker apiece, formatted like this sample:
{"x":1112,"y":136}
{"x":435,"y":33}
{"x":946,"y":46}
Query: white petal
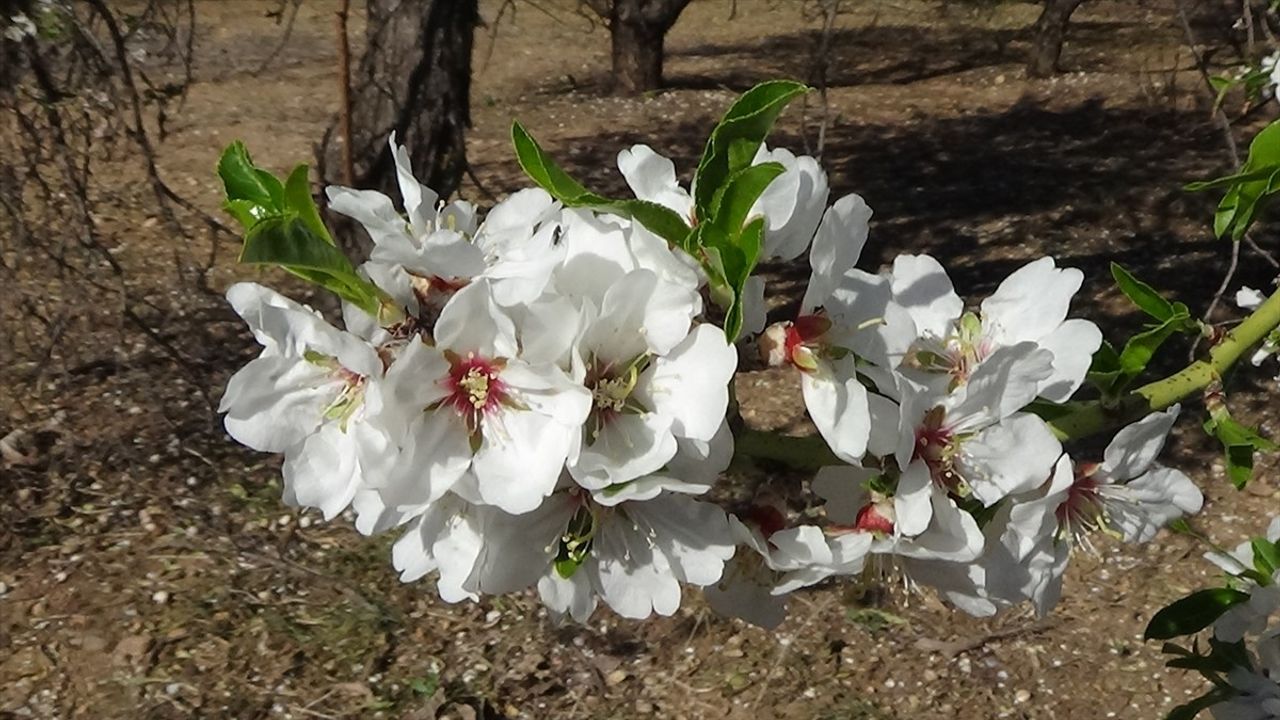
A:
{"x":883,"y":437}
{"x":547,"y":390}
{"x":627,"y":447}
{"x":571,"y":596}
{"x":836,"y":248}
{"x":792,"y":204}
{"x":1034,"y":518}
{"x":414,"y":381}
{"x":922,"y":288}
{"x":652,"y":177}
{"x":1015,"y":456}
{"x":952,"y":536}
{"x":913,"y":500}
{"x":693,"y":535}
{"x":518,"y":464}
{"x":1134,"y":448}
{"x":472,"y":322}
{"x":1030,"y":303}
{"x":691,"y":384}
{"x":1002,"y":385}
{"x":375,"y":211}
{"x":700,"y":462}
{"x":419,"y":200}
{"x":1073,"y":345}
{"x":837,"y":402}
{"x":322,"y":472}
{"x":275,"y":402}
{"x":437,"y":452}
{"x":639,"y":314}
{"x":634,"y":579}
{"x":519,"y":549}
{"x":1139,"y":508}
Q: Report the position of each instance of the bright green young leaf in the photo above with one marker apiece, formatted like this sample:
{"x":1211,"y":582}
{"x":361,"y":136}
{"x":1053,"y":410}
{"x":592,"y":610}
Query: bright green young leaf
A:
{"x":1250,"y":187}
{"x":735,"y":258}
{"x":1142,"y":294}
{"x":252,"y":193}
{"x":1239,"y":443}
{"x":290,"y":243}
{"x":540,"y":168}
{"x":1192,"y":613}
{"x":733,"y":202}
{"x":736,"y":139}
{"x":1140,"y":348}
{"x":298,"y":200}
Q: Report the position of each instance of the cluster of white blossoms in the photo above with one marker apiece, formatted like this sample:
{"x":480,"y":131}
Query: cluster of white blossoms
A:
{"x":950,"y":478}
{"x":543,"y":401}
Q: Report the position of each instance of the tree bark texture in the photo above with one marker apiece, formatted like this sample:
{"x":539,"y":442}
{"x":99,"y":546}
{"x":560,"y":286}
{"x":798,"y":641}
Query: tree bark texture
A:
{"x":1050,"y":32}
{"x":638,"y":31}
{"x":414,"y":80}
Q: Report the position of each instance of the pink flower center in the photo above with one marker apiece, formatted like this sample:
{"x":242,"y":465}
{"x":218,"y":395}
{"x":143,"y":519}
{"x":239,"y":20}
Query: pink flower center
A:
{"x":475,"y":386}
{"x":1081,"y":510}
{"x":935,"y":446}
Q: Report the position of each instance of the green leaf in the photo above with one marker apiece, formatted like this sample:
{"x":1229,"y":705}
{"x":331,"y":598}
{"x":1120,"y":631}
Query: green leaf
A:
{"x":256,"y":194}
{"x":543,"y":170}
{"x":298,"y":199}
{"x":733,"y":202}
{"x":739,"y":262}
{"x":540,"y":168}
{"x":1239,"y":443}
{"x":1142,"y":294}
{"x":1266,"y":556}
{"x":1140,"y":348}
{"x":736,"y":139}
{"x":1192,"y":613}
{"x":1250,"y":187}
{"x":290,"y":243}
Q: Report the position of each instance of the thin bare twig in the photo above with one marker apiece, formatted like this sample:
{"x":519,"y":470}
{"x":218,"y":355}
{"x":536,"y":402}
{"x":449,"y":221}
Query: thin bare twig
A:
{"x":344,"y":93}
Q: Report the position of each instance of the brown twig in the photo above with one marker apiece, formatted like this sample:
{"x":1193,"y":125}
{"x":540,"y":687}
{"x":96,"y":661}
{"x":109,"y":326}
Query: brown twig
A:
{"x":344,"y":93}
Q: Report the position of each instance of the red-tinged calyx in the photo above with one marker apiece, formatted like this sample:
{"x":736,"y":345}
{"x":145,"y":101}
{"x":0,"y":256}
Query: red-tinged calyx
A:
{"x":795,"y":343}
{"x":876,"y":517}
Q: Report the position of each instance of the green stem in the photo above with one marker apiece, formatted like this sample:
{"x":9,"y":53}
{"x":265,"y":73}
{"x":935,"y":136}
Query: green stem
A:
{"x":802,"y":453}
{"x":1092,"y":417}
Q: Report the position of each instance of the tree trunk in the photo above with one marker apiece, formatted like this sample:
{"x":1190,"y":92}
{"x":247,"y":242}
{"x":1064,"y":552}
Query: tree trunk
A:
{"x":1050,"y":31}
{"x":414,"y":80}
{"x":638,"y":31}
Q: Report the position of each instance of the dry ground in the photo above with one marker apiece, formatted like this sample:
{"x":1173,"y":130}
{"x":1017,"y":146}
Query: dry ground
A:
{"x":149,"y":570}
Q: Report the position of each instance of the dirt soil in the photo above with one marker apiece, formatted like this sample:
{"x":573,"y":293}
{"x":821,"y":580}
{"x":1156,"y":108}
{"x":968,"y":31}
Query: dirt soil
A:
{"x":149,"y":570}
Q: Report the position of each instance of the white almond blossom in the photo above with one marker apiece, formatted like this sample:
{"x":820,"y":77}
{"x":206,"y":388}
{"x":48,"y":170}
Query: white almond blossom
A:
{"x":1030,"y":306}
{"x":976,"y":440}
{"x":632,"y":556}
{"x":306,"y":395}
{"x":479,"y":410}
{"x":780,"y":561}
{"x":421,"y":257}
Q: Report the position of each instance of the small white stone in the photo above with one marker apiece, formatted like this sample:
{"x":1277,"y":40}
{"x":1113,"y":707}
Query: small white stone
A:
{"x":160,"y":597}
{"x":1022,"y":696}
